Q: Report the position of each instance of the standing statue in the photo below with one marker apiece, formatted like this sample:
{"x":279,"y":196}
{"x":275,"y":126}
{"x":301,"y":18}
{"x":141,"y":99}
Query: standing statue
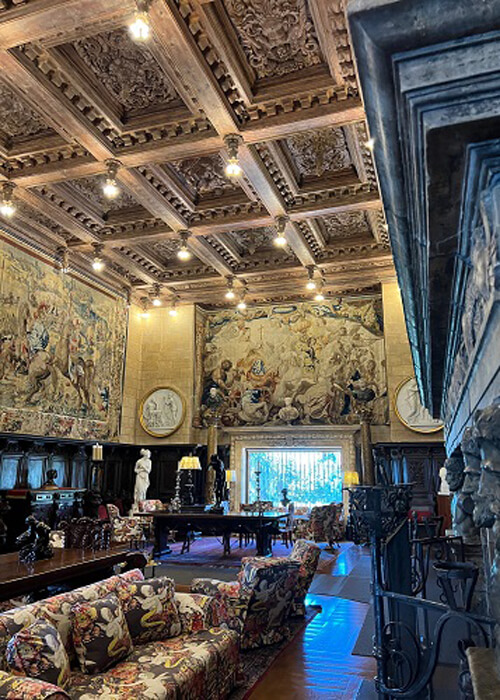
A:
{"x":210,"y":480}
{"x":142,"y":470}
{"x":444,"y":487}
{"x":462,"y":505}
{"x":220,"y":479}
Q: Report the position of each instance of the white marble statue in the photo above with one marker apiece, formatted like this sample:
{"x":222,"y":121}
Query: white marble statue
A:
{"x":444,"y":487}
{"x":142,"y":470}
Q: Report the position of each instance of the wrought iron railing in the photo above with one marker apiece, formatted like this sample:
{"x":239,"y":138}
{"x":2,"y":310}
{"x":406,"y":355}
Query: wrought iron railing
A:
{"x":409,"y":631}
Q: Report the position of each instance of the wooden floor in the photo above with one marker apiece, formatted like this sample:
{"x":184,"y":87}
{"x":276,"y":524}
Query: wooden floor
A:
{"x":318,"y":663}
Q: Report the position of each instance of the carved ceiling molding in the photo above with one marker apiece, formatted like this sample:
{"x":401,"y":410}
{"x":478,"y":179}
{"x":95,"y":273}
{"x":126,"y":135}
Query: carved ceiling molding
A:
{"x":319,"y":152}
{"x":13,"y":165}
{"x":344,"y":226}
{"x":278,"y":36}
{"x":204,"y":175}
{"x":90,"y":188}
{"x":17,"y":119}
{"x":113,"y":58}
{"x":338,"y":26}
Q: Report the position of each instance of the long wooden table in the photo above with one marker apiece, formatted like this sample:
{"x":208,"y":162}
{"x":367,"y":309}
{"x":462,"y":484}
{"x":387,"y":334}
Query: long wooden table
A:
{"x":262,"y":526}
{"x":18,"y":579}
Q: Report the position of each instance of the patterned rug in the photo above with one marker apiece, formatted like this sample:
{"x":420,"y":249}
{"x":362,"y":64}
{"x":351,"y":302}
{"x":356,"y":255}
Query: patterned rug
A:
{"x":208,"y":551}
{"x":256,"y":663}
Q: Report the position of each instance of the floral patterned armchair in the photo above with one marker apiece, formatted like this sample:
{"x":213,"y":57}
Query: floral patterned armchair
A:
{"x":126,"y":530}
{"x":325,"y":524}
{"x":259,"y":603}
{"x":307,"y":555}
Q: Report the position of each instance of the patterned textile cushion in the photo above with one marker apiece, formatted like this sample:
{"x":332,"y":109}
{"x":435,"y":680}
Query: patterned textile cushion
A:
{"x":37,"y":651}
{"x":56,"y":610}
{"x":100,"y":633}
{"x":197,"y":612}
{"x":150,"y":610}
{"x":199,"y":666}
{"x":17,"y":688}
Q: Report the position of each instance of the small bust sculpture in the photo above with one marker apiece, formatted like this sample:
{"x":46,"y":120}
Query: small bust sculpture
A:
{"x":50,"y":482}
{"x":444,"y":488}
{"x":288,"y":413}
{"x":285,"y":501}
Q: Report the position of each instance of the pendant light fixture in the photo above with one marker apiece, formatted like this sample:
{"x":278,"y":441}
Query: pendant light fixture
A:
{"x":311,"y":283}
{"x":280,"y":238}
{"x":7,"y":208}
{"x":183,"y":252}
{"x":233,"y":168}
{"x":140,"y":28}
{"x":230,"y":288}
{"x":98,"y":263}
{"x":110,"y":186}
{"x":173,"y":309}
{"x":155,"y":295}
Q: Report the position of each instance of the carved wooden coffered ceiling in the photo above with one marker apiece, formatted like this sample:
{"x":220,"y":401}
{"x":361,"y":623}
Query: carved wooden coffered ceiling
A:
{"x":76,"y":91}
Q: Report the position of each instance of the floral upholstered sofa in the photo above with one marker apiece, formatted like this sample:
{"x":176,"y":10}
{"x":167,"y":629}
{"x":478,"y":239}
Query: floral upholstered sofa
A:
{"x":199,"y":659}
{"x":259,"y":603}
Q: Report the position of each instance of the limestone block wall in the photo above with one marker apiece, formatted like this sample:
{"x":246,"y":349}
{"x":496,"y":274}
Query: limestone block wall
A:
{"x":160,"y":353}
{"x":399,"y":362}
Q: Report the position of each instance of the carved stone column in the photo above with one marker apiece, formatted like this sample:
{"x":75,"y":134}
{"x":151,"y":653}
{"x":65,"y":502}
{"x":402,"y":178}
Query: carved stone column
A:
{"x":212,"y":435}
{"x":487,"y":434}
{"x":367,"y":467}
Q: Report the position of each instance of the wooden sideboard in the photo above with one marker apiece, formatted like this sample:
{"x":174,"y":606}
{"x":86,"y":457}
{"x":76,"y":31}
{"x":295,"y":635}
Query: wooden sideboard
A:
{"x":49,"y":505}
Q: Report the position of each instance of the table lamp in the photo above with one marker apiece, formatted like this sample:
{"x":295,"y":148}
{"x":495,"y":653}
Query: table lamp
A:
{"x":351,"y":479}
{"x":189,"y":463}
{"x":230,"y":481}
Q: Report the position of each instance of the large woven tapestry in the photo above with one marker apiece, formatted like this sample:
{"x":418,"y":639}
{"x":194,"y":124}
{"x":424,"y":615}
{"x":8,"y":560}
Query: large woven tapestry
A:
{"x":300,"y":364}
{"x":62,"y":351}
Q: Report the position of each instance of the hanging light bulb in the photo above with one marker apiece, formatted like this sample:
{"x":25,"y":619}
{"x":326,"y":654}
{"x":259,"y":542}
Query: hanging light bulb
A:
{"x":139,"y":28}
{"x":233,"y":168}
{"x":155,"y":295}
{"x":62,"y":258}
{"x":319,"y":296}
{"x":98,"y":263}
{"x":280,"y":238}
{"x":173,"y":309}
{"x":230,"y":291}
{"x":7,"y":208}
{"x":110,"y":186}
{"x":183,"y":252}
{"x":370,"y":144}
{"x":241,"y":305}
{"x":311,"y":284}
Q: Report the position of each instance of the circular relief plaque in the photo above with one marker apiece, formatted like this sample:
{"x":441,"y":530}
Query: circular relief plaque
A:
{"x":162,"y":411}
{"x":410,"y":411}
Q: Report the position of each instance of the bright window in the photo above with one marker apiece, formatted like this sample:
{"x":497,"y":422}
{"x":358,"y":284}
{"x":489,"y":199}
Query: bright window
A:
{"x":312,"y":477}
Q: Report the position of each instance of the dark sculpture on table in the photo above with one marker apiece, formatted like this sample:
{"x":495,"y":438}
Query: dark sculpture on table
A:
{"x":50,"y":483}
{"x":285,"y":501}
{"x":217,"y":465}
{"x":34,"y":542}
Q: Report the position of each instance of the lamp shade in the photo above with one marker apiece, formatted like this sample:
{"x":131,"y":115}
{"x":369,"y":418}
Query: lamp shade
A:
{"x":351,"y":478}
{"x":190,"y":463}
{"x":230,"y":475}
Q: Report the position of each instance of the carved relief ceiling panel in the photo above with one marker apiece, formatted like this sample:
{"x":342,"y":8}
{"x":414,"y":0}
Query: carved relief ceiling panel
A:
{"x":203,"y":176}
{"x":345,"y":226}
{"x":277,"y":74}
{"x":113,"y":58}
{"x":315,"y":153}
{"x":17,"y":119}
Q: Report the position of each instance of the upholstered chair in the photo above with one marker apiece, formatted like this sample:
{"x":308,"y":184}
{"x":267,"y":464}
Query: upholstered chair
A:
{"x":325,"y":524}
{"x":307,"y":555}
{"x":259,"y":603}
{"x":126,"y":530}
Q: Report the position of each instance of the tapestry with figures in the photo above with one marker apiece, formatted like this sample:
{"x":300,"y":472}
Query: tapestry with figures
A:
{"x":62,"y":351}
{"x":306,"y":363}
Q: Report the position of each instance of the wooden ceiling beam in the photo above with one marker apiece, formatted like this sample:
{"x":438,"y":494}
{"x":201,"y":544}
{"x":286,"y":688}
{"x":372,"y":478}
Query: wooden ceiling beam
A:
{"x":204,"y":252}
{"x":151,"y":199}
{"x":53,"y":19}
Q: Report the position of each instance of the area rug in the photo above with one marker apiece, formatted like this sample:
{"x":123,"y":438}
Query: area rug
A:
{"x":208,"y":551}
{"x":256,"y":663}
